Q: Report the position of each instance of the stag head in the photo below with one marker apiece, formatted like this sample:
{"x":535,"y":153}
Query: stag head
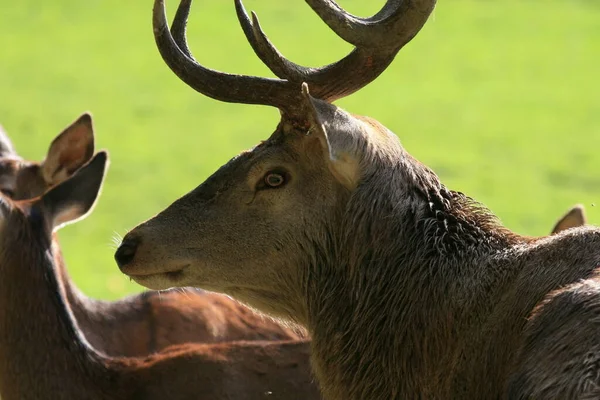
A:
{"x":251,"y":227}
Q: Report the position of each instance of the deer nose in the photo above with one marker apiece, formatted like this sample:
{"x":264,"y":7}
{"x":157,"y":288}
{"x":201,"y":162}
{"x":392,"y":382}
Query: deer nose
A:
{"x":126,"y":251}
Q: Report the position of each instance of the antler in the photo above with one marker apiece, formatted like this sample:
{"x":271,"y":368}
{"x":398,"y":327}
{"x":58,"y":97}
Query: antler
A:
{"x":377,"y":40}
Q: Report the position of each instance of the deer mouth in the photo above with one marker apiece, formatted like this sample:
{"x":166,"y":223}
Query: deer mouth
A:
{"x":158,"y":280}
{"x":139,"y":272}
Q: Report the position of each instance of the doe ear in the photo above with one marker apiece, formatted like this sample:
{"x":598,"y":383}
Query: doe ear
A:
{"x":72,"y":148}
{"x":340,"y":152}
{"x":573,"y":218}
{"x":6,"y":146}
{"x":73,"y":198}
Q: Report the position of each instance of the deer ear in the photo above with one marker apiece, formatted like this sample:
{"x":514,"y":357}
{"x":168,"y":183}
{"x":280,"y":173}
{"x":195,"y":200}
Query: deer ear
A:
{"x":339,"y":150}
{"x":6,"y":146}
{"x":72,"y":148}
{"x":573,"y":218}
{"x":75,"y":197}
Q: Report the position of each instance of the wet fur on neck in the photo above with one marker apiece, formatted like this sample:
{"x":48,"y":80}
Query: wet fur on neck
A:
{"x":391,"y":298}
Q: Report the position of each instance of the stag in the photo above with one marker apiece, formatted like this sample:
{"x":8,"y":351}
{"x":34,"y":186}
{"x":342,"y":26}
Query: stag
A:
{"x":141,"y":324}
{"x":44,"y":355}
{"x":408,"y":289}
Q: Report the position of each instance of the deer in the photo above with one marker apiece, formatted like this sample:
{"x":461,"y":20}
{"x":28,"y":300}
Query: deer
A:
{"x":140,"y":324}
{"x":407,"y":288}
{"x":44,"y":354}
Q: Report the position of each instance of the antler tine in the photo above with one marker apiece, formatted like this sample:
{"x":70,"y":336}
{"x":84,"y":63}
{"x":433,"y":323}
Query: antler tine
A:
{"x":357,"y":69}
{"x":320,"y":78}
{"x":217,"y":85}
{"x":178,"y":28}
{"x":261,"y":45}
{"x":393,"y":26}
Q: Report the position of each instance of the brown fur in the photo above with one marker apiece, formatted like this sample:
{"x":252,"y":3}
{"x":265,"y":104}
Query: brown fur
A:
{"x":44,"y":355}
{"x":558,"y":337}
{"x":141,"y":324}
{"x":407,"y":288}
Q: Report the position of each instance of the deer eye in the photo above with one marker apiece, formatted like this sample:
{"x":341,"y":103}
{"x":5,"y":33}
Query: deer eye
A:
{"x":274,"y":179}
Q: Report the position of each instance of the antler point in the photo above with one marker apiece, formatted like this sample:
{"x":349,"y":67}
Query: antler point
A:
{"x":305,"y":88}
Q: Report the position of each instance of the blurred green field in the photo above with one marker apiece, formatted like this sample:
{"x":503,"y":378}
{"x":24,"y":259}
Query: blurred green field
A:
{"x":500,"y":98}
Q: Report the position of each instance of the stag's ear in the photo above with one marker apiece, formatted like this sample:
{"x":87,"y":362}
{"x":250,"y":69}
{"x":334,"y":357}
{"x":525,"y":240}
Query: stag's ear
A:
{"x":573,"y":218}
{"x":72,"y":148}
{"x":75,"y":197}
{"x":6,"y":146}
{"x":340,"y":148}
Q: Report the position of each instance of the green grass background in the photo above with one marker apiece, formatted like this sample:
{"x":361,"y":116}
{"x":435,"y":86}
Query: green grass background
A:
{"x":500,"y":98}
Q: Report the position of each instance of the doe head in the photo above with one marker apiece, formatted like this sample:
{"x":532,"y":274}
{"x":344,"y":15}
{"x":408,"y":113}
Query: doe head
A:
{"x":23,"y":179}
{"x":37,"y":218}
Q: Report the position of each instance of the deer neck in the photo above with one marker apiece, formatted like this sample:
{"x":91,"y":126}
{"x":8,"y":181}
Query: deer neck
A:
{"x":386,"y":312}
{"x":37,"y":327}
{"x":94,"y":318}
{"x":105,"y":325}
{"x":84,"y":309}
{"x":73,"y":296}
